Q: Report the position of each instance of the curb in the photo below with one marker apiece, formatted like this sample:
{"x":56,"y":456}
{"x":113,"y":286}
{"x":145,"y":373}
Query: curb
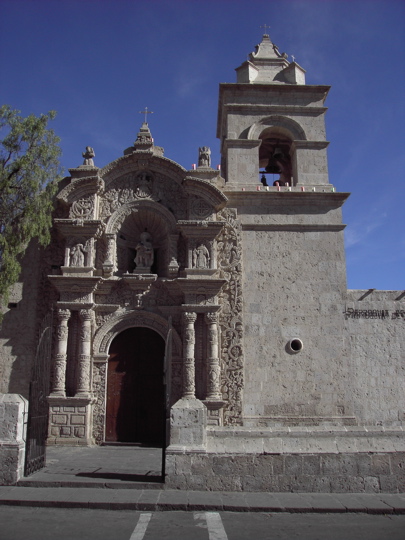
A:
{"x":193,"y":501}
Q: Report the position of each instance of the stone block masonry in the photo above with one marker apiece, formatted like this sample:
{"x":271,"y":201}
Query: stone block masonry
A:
{"x":13,"y":428}
{"x":309,"y":473}
{"x":69,"y":422}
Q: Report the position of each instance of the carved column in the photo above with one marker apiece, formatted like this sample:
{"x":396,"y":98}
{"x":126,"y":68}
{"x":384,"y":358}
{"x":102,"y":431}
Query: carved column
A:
{"x":214,"y":370}
{"x":111,"y":248}
{"x":89,"y":256}
{"x":213,"y":254}
{"x":83,"y":387}
{"x":109,"y":263}
{"x":189,"y":319}
{"x":59,"y":368}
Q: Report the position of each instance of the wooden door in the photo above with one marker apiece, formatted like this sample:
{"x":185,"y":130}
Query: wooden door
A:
{"x":135,"y":392}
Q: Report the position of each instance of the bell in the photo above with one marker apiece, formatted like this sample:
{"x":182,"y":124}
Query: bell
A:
{"x":273,"y":167}
{"x":277,"y":154}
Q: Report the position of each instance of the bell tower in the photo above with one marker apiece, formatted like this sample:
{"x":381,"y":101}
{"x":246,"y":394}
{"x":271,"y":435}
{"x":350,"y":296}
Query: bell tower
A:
{"x":273,"y":143}
{"x":271,"y":124}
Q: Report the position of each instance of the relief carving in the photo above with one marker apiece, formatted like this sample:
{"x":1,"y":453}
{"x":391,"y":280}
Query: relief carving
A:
{"x":99,"y":386}
{"x":230,"y":320}
{"x":82,"y":209}
{"x":77,"y":253}
{"x":201,"y":257}
{"x":200,"y":209}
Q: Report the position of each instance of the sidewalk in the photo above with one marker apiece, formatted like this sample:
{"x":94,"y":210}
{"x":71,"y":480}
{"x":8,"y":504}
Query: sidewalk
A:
{"x":129,"y":478}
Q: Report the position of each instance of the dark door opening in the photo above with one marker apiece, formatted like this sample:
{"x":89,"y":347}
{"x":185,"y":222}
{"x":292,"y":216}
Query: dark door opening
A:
{"x":135,"y":389}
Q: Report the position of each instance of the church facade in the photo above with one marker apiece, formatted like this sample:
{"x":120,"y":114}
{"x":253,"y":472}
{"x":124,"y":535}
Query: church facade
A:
{"x":207,"y":310}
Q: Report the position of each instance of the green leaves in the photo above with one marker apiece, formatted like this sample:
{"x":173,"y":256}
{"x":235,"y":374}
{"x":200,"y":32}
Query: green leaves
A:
{"x":29,"y":174}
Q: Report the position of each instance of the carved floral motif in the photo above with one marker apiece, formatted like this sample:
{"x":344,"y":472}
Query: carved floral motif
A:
{"x":99,"y":386}
{"x":199,"y":208}
{"x":82,"y":209}
{"x":229,"y":263}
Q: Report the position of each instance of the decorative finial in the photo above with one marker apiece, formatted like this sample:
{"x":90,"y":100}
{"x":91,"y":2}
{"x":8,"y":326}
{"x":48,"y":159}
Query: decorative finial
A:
{"x":146,"y":112}
{"x":204,"y":156}
{"x":293,"y":58}
{"x":88,"y":156}
{"x":265,"y":26}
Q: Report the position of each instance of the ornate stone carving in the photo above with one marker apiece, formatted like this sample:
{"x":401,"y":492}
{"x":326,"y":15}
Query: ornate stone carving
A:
{"x":77,"y":253}
{"x":214,"y":370}
{"x":83,"y":387}
{"x":88,"y":156}
{"x":189,"y":319}
{"x":229,"y":263}
{"x":177,"y":381}
{"x":199,"y":208}
{"x":145,"y":186}
{"x":99,"y":386}
{"x":102,"y":317}
{"x":204,"y":156}
{"x":59,"y":368}
{"x":144,"y":253}
{"x":201,"y":257}
{"x":121,"y":321}
{"x":133,"y":187}
{"x":82,"y":209}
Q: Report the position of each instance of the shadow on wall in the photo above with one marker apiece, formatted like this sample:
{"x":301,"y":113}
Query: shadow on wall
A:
{"x":20,"y":327}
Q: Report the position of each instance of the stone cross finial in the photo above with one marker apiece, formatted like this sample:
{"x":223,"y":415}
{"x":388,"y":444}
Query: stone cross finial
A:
{"x":265,"y":26}
{"x":146,"y":112}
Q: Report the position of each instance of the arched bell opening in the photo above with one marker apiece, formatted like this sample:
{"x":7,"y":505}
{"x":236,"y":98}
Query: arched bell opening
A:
{"x":143,"y":243}
{"x":275,"y":162}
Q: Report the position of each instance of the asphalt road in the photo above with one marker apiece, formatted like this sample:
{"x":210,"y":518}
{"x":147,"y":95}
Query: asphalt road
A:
{"x":26,"y":523}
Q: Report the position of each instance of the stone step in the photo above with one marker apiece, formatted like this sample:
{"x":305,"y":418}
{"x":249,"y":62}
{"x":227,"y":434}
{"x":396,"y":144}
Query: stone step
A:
{"x":93,"y":485}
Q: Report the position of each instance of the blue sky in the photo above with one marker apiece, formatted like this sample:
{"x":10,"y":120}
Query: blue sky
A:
{"x":98,"y":63}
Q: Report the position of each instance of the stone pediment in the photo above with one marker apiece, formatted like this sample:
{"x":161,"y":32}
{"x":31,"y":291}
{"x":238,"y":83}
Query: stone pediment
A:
{"x":142,"y":161}
{"x":204,"y":189}
{"x":80,"y":188}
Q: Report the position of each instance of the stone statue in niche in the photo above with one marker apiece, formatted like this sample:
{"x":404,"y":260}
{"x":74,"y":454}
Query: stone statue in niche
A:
{"x":88,"y":156}
{"x":144,"y":253}
{"x":204,"y":157}
{"x":201,"y":257}
{"x":77,"y":255}
{"x":144,"y":188}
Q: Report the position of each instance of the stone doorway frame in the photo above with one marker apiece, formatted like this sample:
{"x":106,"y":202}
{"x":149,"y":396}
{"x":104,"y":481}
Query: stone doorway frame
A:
{"x":101,"y":345}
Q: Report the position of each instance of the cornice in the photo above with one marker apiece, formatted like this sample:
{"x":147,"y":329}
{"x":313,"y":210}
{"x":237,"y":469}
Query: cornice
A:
{"x":279,"y":199}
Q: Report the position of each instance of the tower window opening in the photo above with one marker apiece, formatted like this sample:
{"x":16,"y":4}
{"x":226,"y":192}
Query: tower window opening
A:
{"x":275,"y":161}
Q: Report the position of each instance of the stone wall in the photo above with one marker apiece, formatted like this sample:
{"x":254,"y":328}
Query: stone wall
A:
{"x":374,"y":327}
{"x":327,"y":473}
{"x":18,"y":330}
{"x":294,"y":285}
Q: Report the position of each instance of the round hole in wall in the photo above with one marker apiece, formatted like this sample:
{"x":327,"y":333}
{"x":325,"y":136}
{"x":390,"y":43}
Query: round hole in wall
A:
{"x":295,"y":345}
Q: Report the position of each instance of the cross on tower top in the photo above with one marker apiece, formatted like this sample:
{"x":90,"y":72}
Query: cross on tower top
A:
{"x":146,"y":112}
{"x":265,"y":26}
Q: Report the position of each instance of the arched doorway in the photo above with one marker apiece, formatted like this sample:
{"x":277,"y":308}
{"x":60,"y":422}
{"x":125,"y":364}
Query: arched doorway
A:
{"x":135,"y":391}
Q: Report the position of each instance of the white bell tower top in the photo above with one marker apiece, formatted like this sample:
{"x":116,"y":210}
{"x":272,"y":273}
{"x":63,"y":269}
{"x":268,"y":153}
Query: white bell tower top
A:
{"x":267,"y":65}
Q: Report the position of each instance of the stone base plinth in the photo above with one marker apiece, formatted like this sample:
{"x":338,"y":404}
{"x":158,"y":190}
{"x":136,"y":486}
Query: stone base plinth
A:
{"x":13,"y":423}
{"x":363,"y":459}
{"x":69,"y":421}
{"x":188,"y":422}
{"x":321,"y":473}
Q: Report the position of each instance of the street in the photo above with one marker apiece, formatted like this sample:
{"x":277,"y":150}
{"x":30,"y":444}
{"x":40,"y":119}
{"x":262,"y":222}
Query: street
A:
{"x":28,"y":523}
